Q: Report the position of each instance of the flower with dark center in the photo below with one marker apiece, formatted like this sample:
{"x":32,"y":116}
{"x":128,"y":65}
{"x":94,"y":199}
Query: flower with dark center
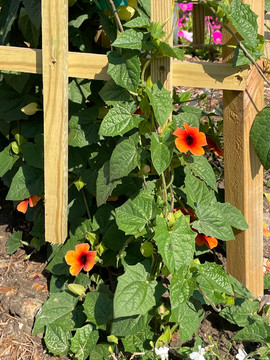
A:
{"x":80,"y":259}
{"x":190,"y":139}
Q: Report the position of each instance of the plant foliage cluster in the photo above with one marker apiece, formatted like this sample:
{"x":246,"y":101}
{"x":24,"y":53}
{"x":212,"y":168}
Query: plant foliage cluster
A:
{"x":133,"y":196}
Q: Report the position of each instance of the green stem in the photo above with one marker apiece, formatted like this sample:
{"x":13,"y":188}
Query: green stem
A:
{"x":118,"y":21}
{"x":85,"y":203}
{"x":217,"y":309}
{"x":145,"y":66}
{"x":164,"y":194}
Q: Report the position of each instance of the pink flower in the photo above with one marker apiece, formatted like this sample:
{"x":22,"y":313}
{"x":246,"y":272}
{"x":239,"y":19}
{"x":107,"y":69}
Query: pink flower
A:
{"x":180,"y":23}
{"x":186,"y":7}
{"x":186,"y":35}
{"x":217,"y":37}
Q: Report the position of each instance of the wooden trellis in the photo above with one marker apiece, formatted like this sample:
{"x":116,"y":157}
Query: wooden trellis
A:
{"x":243,"y":98}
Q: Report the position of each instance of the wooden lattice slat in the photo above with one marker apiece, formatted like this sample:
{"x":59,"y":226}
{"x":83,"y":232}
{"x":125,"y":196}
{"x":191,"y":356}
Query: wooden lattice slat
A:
{"x":55,"y":102}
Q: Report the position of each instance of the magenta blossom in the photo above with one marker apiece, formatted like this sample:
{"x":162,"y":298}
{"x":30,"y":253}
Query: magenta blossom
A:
{"x":186,"y":35}
{"x":186,"y":7}
{"x":181,"y":22}
{"x":217,"y":37}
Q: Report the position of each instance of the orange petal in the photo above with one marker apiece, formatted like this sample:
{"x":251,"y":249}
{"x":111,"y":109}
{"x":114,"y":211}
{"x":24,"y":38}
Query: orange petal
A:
{"x":180,"y":132}
{"x":200,"y":241}
{"x":22,"y":206}
{"x":33,"y":200}
{"x":196,"y":150}
{"x":75,"y":269}
{"x":200,"y":138}
{"x":210,"y":242}
{"x":72,"y":257}
{"x":90,"y":260}
{"x":82,"y":249}
{"x":266,"y":232}
{"x":112,"y":198}
{"x":192,"y":130}
{"x":181,"y":145}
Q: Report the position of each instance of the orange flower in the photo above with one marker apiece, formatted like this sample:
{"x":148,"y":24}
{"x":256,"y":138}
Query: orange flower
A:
{"x":211,"y":145}
{"x":190,"y":139}
{"x":31,"y":201}
{"x":266,"y":232}
{"x":80,"y":259}
{"x":209,"y":241}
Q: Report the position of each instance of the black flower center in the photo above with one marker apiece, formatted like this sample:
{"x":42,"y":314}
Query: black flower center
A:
{"x":189,"y":139}
{"x":83,"y":259}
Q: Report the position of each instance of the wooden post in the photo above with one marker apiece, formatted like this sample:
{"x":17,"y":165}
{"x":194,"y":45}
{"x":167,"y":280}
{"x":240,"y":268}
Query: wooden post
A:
{"x":198,"y":24}
{"x":244,"y":173}
{"x":55,"y":94}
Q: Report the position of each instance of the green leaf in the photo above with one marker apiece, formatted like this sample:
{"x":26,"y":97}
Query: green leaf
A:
{"x":161,"y":101}
{"x":260,"y":136}
{"x":83,"y":129}
{"x":245,"y":21}
{"x":125,"y":157}
{"x":111,"y":93}
{"x":239,"y":289}
{"x":182,"y":286}
{"x":160,"y":154}
{"x":98,"y":306}
{"x":197,"y":192}
{"x":243,"y":313}
{"x":16,"y":79}
{"x":202,"y":168}
{"x":129,"y":325}
{"x":266,"y":281}
{"x":57,"y":265}
{"x":30,"y":32}
{"x":14,"y":242}
{"x":11,"y":14}
{"x":138,"y":22}
{"x":214,"y":278}
{"x":84,"y":341}
{"x":129,"y":39}
{"x":100,"y":352}
{"x":7,"y":160}
{"x":57,"y":309}
{"x":170,"y":51}
{"x":257,"y":332}
{"x":33,"y":152}
{"x":33,"y":9}
{"x":57,"y":339}
{"x":135,"y":213}
{"x":28,"y":181}
{"x":79,"y":90}
{"x":267,"y":5}
{"x":119,"y":120}
{"x":134,"y":293}
{"x":184,"y":117}
{"x":11,"y":103}
{"x":233,"y":216}
{"x":104,"y":186}
{"x":188,"y":316}
{"x":211,"y":222}
{"x":140,"y":342}
{"x":125,"y":69}
{"x":176,"y":245}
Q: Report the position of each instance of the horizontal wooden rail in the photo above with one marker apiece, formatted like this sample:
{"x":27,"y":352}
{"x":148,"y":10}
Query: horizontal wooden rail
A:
{"x":94,"y":66}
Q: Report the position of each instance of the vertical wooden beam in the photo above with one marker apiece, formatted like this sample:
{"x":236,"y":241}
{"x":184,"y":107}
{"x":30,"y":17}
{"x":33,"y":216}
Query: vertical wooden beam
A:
{"x":244,"y":173}
{"x":161,"y":69}
{"x":198,"y":24}
{"x":55,"y":95}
